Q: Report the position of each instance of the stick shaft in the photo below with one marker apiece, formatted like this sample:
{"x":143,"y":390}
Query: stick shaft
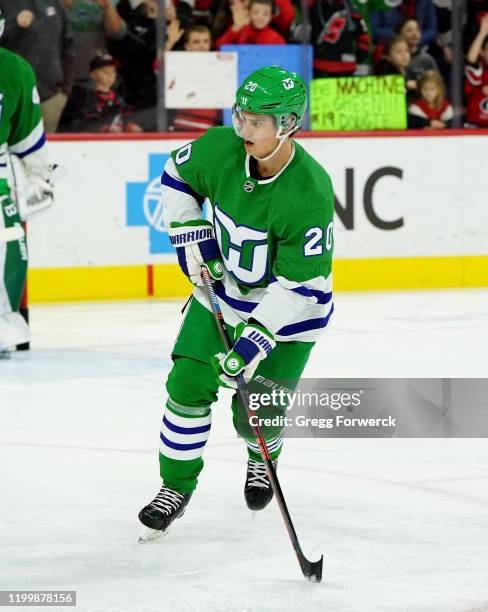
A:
{"x":244,"y":398}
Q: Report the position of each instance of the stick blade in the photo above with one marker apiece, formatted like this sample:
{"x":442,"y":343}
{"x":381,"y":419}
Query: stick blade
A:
{"x":312,"y":570}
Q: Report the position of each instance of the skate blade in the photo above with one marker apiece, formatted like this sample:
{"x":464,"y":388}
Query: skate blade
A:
{"x":149,"y":535}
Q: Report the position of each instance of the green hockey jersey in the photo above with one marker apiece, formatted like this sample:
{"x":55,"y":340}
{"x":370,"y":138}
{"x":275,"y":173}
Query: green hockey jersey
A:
{"x":21,"y":128}
{"x":275,"y":235}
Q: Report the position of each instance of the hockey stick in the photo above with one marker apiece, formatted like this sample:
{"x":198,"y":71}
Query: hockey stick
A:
{"x":312,"y":570}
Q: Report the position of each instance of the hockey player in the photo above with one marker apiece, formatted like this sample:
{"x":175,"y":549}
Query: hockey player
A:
{"x":476,"y":83}
{"x":269,"y":251}
{"x":23,"y":167}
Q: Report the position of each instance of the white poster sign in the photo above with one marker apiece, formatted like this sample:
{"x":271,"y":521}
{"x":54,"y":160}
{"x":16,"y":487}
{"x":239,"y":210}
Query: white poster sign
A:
{"x":200,"y":79}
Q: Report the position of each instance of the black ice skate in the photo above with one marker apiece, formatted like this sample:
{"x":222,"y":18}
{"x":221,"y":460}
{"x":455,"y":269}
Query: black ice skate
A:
{"x":157,"y":516}
{"x":257,"y":490}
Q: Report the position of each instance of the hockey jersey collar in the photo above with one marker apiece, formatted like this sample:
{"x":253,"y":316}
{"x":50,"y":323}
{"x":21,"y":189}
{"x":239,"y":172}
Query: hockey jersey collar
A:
{"x":273,"y":178}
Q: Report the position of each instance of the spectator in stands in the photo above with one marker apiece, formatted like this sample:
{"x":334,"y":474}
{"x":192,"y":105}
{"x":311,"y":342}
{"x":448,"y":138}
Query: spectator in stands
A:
{"x":366,"y":8}
{"x":476,"y":10}
{"x":92,"y":21}
{"x":420,"y":60}
{"x":251,"y":27}
{"x":38,"y":30}
{"x":386,"y":24}
{"x":202,"y":12}
{"x":196,"y":38}
{"x":283,"y":16}
{"x":476,"y":82}
{"x":396,"y":60}
{"x":174,"y":33}
{"x":224,"y":17}
{"x":441,"y":48}
{"x":431,"y":109}
{"x":106,"y":109}
{"x":340,"y":38}
{"x":100,"y":107}
{"x":136,"y":52}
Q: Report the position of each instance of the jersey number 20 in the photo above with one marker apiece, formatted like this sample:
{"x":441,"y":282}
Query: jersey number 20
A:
{"x":314,"y":245}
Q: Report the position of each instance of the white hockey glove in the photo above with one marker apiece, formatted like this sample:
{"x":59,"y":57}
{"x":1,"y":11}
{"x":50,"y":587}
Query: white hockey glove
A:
{"x":33,"y":186}
{"x":253,"y":343}
{"x":196,"y":246}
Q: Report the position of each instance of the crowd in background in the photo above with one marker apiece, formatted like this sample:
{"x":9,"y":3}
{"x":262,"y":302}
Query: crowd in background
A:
{"x":96,"y":60}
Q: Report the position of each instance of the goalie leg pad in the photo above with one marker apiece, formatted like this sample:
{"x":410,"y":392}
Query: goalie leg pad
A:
{"x":13,"y":330}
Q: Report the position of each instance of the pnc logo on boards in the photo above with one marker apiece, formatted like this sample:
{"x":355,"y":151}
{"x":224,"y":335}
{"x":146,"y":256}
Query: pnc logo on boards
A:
{"x":345,"y":206}
{"x":144,"y":207}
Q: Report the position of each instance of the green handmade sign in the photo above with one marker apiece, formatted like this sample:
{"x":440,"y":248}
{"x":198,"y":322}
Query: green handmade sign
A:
{"x":358,"y":103}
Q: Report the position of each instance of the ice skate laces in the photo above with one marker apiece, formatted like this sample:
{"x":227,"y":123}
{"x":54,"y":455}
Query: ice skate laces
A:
{"x":167,"y":500}
{"x":257,"y":475}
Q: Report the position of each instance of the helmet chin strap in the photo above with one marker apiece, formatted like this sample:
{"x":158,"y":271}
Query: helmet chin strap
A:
{"x":281,"y":137}
{"x":273,"y":153}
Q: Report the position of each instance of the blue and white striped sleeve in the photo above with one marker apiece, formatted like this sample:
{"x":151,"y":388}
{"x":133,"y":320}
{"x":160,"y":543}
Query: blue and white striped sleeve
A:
{"x":31,"y":144}
{"x":32,"y":150}
{"x":180,"y":202}
{"x":285,"y":300}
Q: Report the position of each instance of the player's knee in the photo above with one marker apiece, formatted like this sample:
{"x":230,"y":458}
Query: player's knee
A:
{"x":191,"y":383}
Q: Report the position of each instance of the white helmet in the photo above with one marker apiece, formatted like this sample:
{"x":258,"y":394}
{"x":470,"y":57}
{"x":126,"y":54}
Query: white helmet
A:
{"x":2,"y":23}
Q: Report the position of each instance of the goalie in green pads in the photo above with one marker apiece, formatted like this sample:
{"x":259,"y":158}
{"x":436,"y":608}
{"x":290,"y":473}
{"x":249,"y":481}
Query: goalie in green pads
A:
{"x":25,"y":186}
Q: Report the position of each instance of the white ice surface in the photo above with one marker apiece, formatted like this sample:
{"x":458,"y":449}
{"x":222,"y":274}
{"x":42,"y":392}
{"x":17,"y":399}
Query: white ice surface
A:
{"x":403,"y":524}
